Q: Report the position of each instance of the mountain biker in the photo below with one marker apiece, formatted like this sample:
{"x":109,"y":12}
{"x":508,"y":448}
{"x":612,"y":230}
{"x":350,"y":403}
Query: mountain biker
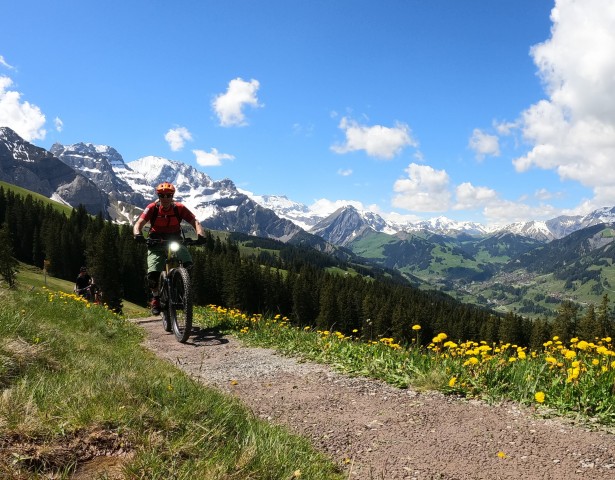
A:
{"x":83,"y":282}
{"x":168,"y":216}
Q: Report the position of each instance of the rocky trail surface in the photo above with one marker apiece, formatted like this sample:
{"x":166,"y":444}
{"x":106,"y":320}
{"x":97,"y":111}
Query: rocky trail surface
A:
{"x":375,"y":431}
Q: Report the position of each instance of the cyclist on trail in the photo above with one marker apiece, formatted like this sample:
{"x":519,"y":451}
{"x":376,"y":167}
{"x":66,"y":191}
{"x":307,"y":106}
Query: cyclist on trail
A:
{"x":167,"y":216}
{"x":83,"y":282}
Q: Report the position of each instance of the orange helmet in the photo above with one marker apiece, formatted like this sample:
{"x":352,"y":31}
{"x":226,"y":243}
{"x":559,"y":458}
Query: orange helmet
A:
{"x":165,"y":187}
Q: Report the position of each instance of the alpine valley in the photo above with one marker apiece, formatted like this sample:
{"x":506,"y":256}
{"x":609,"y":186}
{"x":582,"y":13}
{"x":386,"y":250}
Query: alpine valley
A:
{"x":526,"y":267}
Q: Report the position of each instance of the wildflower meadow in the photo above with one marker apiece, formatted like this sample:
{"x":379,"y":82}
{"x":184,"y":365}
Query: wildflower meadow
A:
{"x":573,"y":379}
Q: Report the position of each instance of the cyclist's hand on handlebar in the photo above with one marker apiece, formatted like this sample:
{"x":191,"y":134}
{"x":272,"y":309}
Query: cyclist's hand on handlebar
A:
{"x":200,"y":240}
{"x":139,"y":238}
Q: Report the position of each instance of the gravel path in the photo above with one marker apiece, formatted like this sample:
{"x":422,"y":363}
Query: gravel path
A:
{"x":374,"y":431}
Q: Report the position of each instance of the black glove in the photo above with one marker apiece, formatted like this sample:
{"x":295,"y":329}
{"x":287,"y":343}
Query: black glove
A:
{"x":200,"y":240}
{"x":139,"y":238}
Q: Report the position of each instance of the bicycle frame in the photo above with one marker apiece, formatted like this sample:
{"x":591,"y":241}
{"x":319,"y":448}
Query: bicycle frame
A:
{"x":175,"y":291}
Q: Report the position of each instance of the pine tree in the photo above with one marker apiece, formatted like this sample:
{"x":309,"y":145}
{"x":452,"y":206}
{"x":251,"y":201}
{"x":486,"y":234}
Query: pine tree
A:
{"x":605,"y":318}
{"x":589,"y":326}
{"x":541,"y":333}
{"x":565,"y":323}
{"x":8,"y":264}
{"x":104,"y":261}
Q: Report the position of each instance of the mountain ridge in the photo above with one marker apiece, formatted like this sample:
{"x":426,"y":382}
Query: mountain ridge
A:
{"x":458,"y":258}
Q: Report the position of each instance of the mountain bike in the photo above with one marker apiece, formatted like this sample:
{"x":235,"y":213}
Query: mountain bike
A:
{"x":91,"y":293}
{"x":175,"y":290}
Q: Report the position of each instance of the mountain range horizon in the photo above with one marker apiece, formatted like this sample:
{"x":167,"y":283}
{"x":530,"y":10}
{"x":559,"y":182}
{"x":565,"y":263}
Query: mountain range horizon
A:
{"x":132,"y":183}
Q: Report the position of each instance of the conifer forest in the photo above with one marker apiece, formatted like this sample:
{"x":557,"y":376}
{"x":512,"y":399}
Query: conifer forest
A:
{"x":310,"y":288}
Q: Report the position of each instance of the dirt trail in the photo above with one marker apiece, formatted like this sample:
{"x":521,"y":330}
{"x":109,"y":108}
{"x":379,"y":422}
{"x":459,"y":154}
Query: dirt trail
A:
{"x":374,"y":431}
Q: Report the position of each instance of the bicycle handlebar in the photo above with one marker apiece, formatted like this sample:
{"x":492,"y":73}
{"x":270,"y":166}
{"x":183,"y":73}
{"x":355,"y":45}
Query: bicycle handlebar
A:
{"x":163,"y":241}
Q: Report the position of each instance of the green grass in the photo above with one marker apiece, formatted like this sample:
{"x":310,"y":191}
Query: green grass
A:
{"x":30,"y":277}
{"x":65,"y":209}
{"x":73,"y":372}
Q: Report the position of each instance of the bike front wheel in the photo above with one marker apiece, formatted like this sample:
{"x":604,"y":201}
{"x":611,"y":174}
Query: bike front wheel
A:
{"x":167,"y":324}
{"x":180,"y":303}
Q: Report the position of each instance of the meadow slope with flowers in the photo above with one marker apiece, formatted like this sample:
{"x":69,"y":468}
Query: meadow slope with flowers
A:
{"x":381,"y":410}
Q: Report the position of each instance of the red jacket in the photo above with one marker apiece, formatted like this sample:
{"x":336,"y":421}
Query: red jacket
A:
{"x":166,"y":221}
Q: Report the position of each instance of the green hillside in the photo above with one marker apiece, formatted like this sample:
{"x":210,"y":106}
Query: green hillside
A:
{"x":8,"y":187}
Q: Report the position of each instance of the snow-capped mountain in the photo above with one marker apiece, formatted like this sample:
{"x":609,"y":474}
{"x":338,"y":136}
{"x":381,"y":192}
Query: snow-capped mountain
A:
{"x":445,"y":226}
{"x":36,"y":169}
{"x":298,"y":213}
{"x":98,"y":163}
{"x":217,"y":204}
{"x":345,"y":225}
{"x":125,"y":188}
{"x":560,"y":227}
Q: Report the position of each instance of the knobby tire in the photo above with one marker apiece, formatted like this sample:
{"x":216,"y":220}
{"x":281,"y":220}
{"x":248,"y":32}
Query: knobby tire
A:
{"x":167,"y":324}
{"x":180,"y":303}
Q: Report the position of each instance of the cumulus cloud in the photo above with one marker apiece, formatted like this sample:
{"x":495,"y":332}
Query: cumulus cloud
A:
{"x":377,"y":141}
{"x":503,"y":212}
{"x":23,"y":117}
{"x":425,"y":190}
{"x":59,"y":124}
{"x":470,"y":197}
{"x":177,"y":138}
{"x":211,"y":159}
{"x":229,"y":106}
{"x":573,"y":131}
{"x":484,"y":144}
{"x":326,"y":207}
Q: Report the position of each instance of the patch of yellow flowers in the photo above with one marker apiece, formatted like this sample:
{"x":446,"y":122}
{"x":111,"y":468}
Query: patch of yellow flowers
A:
{"x":568,"y":362}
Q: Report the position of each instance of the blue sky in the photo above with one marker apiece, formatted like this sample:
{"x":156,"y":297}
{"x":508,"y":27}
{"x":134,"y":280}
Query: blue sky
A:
{"x":481,"y":110}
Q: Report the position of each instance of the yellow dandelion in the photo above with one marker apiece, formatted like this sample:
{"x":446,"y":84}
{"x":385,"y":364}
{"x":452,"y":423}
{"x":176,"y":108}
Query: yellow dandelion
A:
{"x":452,"y":382}
{"x":539,"y":397}
{"x":501,"y":454}
{"x":582,"y":345}
{"x":234,"y":382}
{"x":416,"y":327}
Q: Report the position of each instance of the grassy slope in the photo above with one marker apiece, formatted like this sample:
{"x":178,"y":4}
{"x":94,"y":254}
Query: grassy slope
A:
{"x":36,"y":196}
{"x":72,"y":372}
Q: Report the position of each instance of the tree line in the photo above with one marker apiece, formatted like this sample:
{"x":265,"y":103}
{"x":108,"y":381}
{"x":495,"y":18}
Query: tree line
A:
{"x":293,"y":282}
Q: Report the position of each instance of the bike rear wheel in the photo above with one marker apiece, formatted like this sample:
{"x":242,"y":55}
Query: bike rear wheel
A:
{"x":180,"y":303}
{"x":167,"y":324}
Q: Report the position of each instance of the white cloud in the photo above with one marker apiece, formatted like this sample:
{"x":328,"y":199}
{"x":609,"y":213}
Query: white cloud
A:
{"x":425,"y":190}
{"x":470,"y":197}
{"x":211,"y":159}
{"x":23,"y":117}
{"x":399,"y":218}
{"x":503,"y":212}
{"x":573,"y":131}
{"x":344,"y":172}
{"x":5,"y":64}
{"x":229,"y":106}
{"x":59,"y":124}
{"x":484,"y":144}
{"x":377,"y":141}
{"x":326,"y":207}
{"x":177,"y":138}
{"x":505,"y":128}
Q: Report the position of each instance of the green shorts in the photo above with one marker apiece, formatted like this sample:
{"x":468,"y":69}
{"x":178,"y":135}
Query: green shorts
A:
{"x":157,"y":257}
